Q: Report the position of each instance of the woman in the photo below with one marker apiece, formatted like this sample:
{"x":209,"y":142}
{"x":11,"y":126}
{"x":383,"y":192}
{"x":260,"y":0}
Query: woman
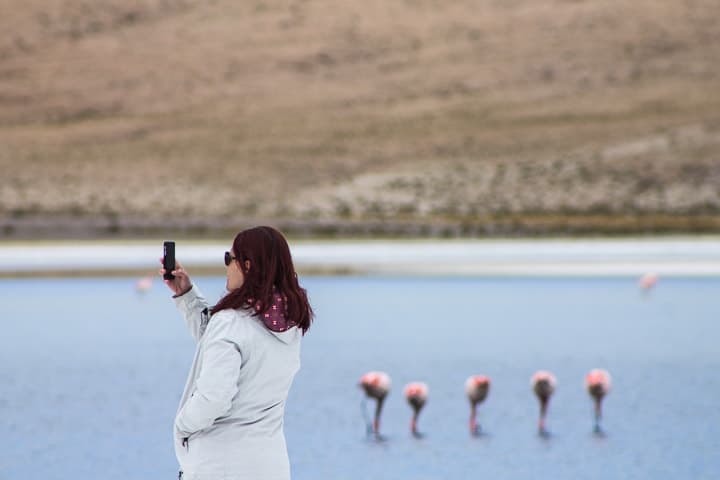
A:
{"x":230,"y":421}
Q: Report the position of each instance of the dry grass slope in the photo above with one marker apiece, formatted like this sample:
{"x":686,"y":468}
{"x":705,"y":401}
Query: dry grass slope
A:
{"x":416,"y":116}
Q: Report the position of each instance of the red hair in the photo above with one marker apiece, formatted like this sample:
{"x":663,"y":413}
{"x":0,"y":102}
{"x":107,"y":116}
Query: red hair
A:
{"x":270,"y":269}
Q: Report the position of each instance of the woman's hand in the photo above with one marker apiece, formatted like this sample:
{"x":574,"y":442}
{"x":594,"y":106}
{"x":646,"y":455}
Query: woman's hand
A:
{"x":181,"y":284}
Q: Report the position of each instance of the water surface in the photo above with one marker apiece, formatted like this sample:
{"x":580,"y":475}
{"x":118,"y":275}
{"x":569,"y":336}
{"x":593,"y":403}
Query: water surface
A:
{"x":91,"y":373}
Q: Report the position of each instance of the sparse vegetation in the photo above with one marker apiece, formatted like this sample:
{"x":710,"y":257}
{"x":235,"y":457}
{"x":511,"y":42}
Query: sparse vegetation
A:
{"x":418,"y":118}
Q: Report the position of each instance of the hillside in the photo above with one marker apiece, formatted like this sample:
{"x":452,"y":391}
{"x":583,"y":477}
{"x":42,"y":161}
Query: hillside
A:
{"x":420,"y":116}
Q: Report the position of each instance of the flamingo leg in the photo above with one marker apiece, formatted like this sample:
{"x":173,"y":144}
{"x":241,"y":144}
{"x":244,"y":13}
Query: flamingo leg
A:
{"x":366,"y":417}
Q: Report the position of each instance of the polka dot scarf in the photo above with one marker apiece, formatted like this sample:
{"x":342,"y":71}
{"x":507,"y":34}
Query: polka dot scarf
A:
{"x":275,"y":318}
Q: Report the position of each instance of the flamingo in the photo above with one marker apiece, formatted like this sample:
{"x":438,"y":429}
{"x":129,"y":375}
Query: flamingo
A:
{"x":543,"y":384}
{"x":648,"y":281}
{"x":144,"y":284}
{"x":376,"y":385}
{"x":477,"y":388}
{"x":597,"y":383}
{"x":416,"y":394}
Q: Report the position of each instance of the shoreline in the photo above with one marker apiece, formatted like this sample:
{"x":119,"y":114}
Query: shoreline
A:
{"x":549,"y":224}
{"x":559,"y":257}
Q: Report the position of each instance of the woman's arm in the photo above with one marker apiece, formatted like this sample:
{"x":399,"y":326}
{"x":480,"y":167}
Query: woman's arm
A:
{"x":189,"y":300}
{"x":194,"y":309}
{"x":216,"y":384}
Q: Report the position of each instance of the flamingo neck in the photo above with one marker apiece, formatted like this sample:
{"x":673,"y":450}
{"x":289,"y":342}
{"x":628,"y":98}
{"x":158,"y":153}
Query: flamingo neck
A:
{"x":598,"y":413}
{"x":543,"y":413}
{"x":473,"y":419}
{"x":378,"y":410}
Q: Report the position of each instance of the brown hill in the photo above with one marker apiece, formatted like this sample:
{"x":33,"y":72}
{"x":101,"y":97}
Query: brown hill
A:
{"x":418,"y":116}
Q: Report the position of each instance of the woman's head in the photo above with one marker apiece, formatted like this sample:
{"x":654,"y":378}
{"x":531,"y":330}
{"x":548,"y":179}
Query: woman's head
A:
{"x":260,"y":267}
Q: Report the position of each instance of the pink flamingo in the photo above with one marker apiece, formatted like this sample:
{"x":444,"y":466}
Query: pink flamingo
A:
{"x":597,"y":383}
{"x":477,"y":388}
{"x":376,"y":385}
{"x":416,"y":394}
{"x":648,"y":281}
{"x":144,"y":284}
{"x":543,"y":384}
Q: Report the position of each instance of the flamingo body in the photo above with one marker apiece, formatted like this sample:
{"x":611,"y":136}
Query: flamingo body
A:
{"x":416,"y":394}
{"x":543,"y":384}
{"x":376,"y":384}
{"x":143,"y":285}
{"x":648,"y":281}
{"x":477,"y":388}
{"x":597,"y":383}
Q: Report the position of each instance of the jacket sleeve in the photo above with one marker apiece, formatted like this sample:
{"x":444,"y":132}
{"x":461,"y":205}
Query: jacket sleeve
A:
{"x":193,"y":306}
{"x":217,"y":382}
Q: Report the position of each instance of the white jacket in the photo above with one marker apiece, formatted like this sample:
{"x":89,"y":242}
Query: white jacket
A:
{"x":230,"y":421}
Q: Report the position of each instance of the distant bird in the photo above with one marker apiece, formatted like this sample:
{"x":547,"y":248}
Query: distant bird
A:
{"x":416,"y":394}
{"x":477,"y":388}
{"x":543,"y":384}
{"x":376,"y":386}
{"x":648,"y":281}
{"x":597,"y":383}
{"x":144,"y":284}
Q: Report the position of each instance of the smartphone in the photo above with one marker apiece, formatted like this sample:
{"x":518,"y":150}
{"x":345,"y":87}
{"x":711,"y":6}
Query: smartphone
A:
{"x":169,"y":259}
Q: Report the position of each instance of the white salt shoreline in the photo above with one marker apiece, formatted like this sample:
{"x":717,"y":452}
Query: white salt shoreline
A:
{"x":557,"y":257}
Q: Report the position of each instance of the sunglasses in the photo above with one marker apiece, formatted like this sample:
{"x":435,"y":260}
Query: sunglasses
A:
{"x":229,"y":258}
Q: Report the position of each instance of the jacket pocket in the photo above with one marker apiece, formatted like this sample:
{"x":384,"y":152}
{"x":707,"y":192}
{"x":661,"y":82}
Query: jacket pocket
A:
{"x":183,"y":440}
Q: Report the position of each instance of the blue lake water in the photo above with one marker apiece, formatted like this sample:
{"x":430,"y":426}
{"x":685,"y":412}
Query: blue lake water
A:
{"x":91,"y":372}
